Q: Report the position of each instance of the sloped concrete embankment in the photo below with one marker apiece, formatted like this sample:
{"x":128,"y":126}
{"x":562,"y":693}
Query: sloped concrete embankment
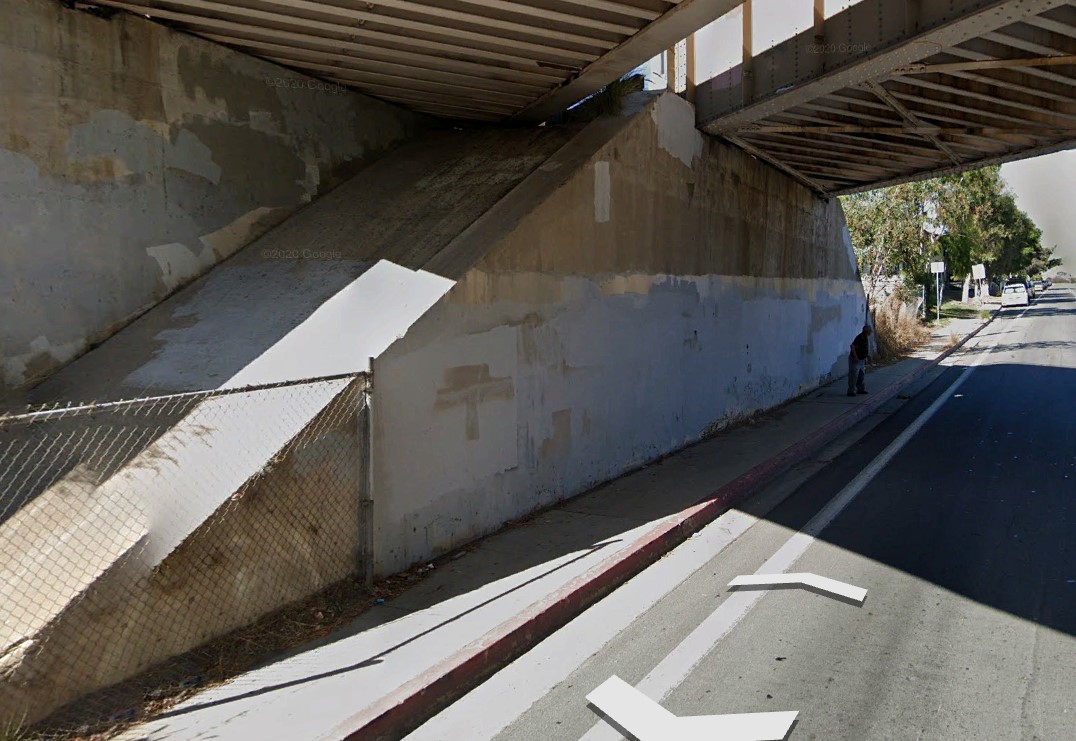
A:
{"x":136,"y":157}
{"x":251,"y":500}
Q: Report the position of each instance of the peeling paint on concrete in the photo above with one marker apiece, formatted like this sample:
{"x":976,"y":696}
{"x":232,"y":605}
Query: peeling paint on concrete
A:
{"x":42,"y":354}
{"x":226,"y":240}
{"x":677,"y":135}
{"x":161,"y":154}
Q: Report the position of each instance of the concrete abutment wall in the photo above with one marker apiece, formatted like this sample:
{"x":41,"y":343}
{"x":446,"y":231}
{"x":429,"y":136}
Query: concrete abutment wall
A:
{"x":670,"y":286}
{"x":134,"y":158}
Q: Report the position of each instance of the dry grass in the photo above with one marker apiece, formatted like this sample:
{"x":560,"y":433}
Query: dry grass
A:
{"x":897,"y":331}
{"x":13,"y":729}
{"x":106,"y":713}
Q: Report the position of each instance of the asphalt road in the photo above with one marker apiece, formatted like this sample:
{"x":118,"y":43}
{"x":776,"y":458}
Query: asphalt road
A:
{"x":965,"y":540}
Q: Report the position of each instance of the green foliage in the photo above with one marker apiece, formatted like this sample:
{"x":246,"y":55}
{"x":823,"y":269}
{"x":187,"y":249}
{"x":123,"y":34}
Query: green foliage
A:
{"x":14,"y":729}
{"x":963,"y":219}
{"x":608,"y":101}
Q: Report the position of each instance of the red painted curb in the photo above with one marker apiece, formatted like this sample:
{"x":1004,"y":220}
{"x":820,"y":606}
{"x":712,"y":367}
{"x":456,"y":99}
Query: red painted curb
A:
{"x":416,"y":701}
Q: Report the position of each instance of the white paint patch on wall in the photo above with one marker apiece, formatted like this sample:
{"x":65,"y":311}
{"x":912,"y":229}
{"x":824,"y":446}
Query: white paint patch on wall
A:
{"x":227,"y":240}
{"x":603,"y":192}
{"x":601,"y":383}
{"x":15,"y":366}
{"x":188,"y":153}
{"x":677,"y":135}
{"x":178,"y":145}
{"x":179,"y":263}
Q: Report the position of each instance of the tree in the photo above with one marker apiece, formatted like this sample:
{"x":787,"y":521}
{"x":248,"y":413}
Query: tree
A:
{"x":968,"y":218}
{"x":888,"y":232}
{"x":1044,"y":262}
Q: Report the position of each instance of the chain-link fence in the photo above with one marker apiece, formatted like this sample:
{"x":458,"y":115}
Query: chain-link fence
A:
{"x":134,"y":531}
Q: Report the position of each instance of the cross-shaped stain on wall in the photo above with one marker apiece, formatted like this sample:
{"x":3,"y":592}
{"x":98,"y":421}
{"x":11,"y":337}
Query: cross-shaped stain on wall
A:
{"x":471,"y":385}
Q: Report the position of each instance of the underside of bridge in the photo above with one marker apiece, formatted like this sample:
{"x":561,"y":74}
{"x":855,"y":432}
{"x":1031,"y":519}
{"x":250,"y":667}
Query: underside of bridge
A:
{"x":883,"y":92}
{"x":482,"y":60}
{"x":893,"y":90}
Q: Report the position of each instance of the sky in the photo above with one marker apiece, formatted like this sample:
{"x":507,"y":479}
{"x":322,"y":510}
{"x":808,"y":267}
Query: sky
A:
{"x":1045,"y":186}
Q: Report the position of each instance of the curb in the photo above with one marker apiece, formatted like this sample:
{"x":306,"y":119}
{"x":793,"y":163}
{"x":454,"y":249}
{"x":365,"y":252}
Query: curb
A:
{"x":396,"y":715}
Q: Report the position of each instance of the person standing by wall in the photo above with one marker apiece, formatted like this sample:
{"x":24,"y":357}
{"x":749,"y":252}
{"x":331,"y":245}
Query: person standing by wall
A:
{"x":859,"y":350}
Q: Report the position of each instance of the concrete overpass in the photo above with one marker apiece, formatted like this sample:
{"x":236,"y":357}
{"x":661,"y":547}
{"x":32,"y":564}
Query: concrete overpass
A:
{"x":883,"y":92}
{"x":896,"y":90}
{"x":540,"y":308}
{"x":484,"y":60}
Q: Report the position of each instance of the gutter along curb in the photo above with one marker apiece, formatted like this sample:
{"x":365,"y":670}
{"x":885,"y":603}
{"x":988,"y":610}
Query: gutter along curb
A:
{"x":397,"y":714}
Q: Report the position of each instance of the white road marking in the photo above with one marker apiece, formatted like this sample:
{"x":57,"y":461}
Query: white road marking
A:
{"x":646,"y":720}
{"x":678,"y":665}
{"x":813,"y":581}
{"x":492,"y":706}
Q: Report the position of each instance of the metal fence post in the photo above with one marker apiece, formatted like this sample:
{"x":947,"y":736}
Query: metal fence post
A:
{"x":365,"y":524}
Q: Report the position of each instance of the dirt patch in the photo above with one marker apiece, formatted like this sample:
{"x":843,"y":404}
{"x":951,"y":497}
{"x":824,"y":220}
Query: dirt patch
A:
{"x":109,"y":712}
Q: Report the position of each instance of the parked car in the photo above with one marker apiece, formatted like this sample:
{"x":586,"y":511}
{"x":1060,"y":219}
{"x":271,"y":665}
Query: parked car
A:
{"x":1038,"y":286}
{"x":1015,"y":294}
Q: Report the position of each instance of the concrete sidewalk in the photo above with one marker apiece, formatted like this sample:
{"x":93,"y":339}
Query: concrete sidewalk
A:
{"x":476,"y":611}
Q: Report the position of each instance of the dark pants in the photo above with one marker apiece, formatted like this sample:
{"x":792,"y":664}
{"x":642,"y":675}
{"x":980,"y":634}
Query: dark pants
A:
{"x":857,"y":371}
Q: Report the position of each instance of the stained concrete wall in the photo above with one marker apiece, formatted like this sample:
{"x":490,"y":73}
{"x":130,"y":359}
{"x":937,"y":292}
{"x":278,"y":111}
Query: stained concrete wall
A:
{"x":134,"y":158}
{"x":172,"y":560}
{"x":669,"y":287}
{"x":327,"y":289}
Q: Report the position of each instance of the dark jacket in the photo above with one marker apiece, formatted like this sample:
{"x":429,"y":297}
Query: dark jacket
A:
{"x":861,"y":346}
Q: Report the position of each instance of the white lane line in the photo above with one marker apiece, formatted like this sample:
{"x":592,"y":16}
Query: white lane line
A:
{"x":496,"y":703}
{"x":675,"y":668}
{"x":645,"y":720}
{"x":809,"y":581}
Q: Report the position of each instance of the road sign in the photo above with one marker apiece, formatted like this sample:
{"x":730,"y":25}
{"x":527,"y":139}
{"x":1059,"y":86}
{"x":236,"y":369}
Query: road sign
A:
{"x":937,"y":267}
{"x":978,"y":272}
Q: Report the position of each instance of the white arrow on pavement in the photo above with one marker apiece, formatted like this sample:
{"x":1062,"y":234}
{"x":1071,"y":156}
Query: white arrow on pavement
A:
{"x":646,"y":720}
{"x":810,"y":581}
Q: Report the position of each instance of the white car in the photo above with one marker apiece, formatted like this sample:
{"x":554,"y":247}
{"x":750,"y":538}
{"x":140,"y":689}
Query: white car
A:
{"x":1015,"y":294}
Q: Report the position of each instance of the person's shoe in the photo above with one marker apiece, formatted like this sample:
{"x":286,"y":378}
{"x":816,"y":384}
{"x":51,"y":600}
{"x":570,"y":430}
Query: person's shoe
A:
{"x":862,"y":393}
{"x":851,"y":393}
